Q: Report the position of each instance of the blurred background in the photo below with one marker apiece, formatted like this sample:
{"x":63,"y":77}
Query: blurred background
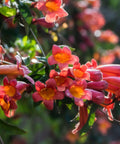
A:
{"x":92,"y":30}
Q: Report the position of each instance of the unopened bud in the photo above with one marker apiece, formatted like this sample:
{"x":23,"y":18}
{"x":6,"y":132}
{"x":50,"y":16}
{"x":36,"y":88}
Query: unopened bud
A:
{"x":97,"y":97}
{"x":100,"y":85}
{"x":95,"y":75}
{"x":42,"y":22}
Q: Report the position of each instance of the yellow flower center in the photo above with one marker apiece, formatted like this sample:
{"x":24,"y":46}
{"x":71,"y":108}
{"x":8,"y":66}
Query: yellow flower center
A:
{"x":4,"y":105}
{"x":52,"y":6}
{"x":62,"y":57}
{"x":77,"y":91}
{"x":78,"y":73}
{"x":9,"y":90}
{"x":59,"y":80}
{"x":47,"y":93}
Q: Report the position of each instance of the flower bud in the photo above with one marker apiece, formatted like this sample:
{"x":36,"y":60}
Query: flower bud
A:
{"x":110,"y":70}
{"x":97,"y":97}
{"x":42,"y":22}
{"x":95,"y":75}
{"x":100,"y":85}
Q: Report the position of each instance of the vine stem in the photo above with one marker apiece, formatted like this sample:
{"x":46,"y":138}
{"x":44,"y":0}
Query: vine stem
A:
{"x":37,"y":41}
{"x":1,"y":141}
{"x":5,"y":62}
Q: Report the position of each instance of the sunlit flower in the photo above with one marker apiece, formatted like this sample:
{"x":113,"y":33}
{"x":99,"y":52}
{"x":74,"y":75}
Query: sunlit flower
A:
{"x":14,"y":70}
{"x":61,"y":81}
{"x":92,"y":64}
{"x":83,"y":114}
{"x":10,"y":92}
{"x":103,"y":125}
{"x":109,"y":36}
{"x":93,"y":19}
{"x":62,"y":57}
{"x":111,"y":74}
{"x":79,"y":71}
{"x":47,"y":93}
{"x":78,"y":91}
{"x":72,"y":138}
{"x":110,"y":70}
{"x":108,"y":106}
{"x":113,"y":85}
{"x":51,"y":9}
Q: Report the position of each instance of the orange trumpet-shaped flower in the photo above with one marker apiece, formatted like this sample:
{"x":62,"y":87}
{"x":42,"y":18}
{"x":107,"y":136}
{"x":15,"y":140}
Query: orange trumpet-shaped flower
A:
{"x":93,"y":19}
{"x":80,"y":71}
{"x":10,"y":92}
{"x":78,"y":91}
{"x":113,"y":85}
{"x":109,"y":36}
{"x":61,"y":81}
{"x":47,"y":93}
{"x":110,"y":70}
{"x":51,"y":9}
{"x":62,"y":57}
{"x":14,"y":70}
{"x":92,"y":64}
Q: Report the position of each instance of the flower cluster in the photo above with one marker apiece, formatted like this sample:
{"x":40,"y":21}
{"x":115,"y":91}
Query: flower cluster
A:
{"x":11,"y":90}
{"x":84,"y":84}
{"x":81,"y":83}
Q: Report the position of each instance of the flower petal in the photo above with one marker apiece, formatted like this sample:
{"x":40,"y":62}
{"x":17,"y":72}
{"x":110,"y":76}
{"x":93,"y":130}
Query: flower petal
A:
{"x":61,"y":13}
{"x":36,"y":97}
{"x":59,"y":95}
{"x":68,"y":94}
{"x":56,"y":49}
{"x":39,"y":85}
{"x":51,"y":83}
{"x":5,"y":81}
{"x":48,"y":104}
{"x":13,"y":82}
{"x":51,"y":60}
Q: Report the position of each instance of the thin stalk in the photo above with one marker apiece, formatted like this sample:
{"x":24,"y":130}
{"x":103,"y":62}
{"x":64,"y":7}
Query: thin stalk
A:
{"x":37,"y":42}
{"x":1,"y":141}
{"x":5,"y":62}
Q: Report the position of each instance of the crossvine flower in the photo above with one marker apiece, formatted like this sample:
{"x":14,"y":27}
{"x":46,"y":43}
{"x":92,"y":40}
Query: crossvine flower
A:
{"x":47,"y":93}
{"x":51,"y":9}
{"x":62,"y":57}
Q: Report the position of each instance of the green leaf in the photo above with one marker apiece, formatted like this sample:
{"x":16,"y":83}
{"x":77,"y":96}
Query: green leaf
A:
{"x":8,"y":12}
{"x":10,"y":129}
{"x":41,"y":59}
{"x":69,"y":106}
{"x":90,"y":121}
{"x":26,"y":60}
{"x":24,"y":10}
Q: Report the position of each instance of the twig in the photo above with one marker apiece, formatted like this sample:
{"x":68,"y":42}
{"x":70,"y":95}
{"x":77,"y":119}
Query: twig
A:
{"x":5,"y":62}
{"x":1,"y":141}
{"x":37,"y":41}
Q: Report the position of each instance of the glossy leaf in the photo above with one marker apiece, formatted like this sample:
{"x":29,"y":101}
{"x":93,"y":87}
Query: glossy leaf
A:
{"x":8,"y":12}
{"x":10,"y":129}
{"x":24,"y":10}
